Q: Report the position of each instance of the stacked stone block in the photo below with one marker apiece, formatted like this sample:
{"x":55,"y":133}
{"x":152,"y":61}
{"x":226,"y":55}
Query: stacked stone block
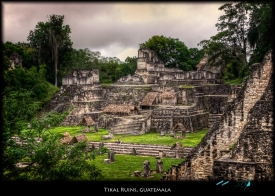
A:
{"x":230,"y":129}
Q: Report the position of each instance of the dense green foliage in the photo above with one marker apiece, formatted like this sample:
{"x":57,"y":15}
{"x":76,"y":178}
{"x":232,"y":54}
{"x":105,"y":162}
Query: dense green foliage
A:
{"x":25,"y":92}
{"x":110,"y":68}
{"x":47,"y":159}
{"x":173,"y":52}
{"x":52,"y":45}
{"x":260,"y":33}
{"x":24,"y":50}
{"x":244,"y":35}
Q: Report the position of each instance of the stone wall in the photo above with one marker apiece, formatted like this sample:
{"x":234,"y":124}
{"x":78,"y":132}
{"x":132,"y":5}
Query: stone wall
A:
{"x":129,"y":95}
{"x":134,"y":80}
{"x":82,"y":77}
{"x":215,"y":104}
{"x":230,"y":129}
{"x":131,"y":125}
{"x":186,"y":96}
{"x":164,"y":119}
{"x":192,"y":123}
{"x":15,"y":59}
{"x":253,"y":152}
{"x":81,"y":90}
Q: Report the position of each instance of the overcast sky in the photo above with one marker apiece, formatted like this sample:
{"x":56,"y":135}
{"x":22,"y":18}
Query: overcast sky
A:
{"x":115,"y":29}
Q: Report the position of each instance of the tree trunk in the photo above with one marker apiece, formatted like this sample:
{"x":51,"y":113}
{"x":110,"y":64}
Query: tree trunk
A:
{"x":55,"y":63}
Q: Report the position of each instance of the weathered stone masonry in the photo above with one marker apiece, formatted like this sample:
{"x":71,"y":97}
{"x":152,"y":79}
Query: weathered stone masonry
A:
{"x":80,"y":89}
{"x":247,"y":123}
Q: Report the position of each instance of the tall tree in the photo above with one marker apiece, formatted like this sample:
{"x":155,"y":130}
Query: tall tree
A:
{"x":58,"y":34}
{"x":244,"y":29}
{"x":39,"y":41}
{"x":231,"y":42}
{"x":260,"y":35}
{"x":52,"y":44}
{"x":235,"y":24}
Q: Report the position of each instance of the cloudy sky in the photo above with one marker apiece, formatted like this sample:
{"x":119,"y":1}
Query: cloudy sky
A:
{"x":115,"y":29}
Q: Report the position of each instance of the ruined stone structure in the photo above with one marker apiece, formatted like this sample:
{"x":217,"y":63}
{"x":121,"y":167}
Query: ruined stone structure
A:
{"x":159,"y":165}
{"x":88,"y":122}
{"x":239,"y":145}
{"x":146,"y":168}
{"x":15,"y":59}
{"x":122,"y":110}
{"x":81,"y":90}
{"x":151,"y":70}
{"x":154,"y":99}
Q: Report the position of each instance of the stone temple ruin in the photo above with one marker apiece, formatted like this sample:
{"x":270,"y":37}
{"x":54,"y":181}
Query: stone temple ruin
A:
{"x":157,"y":99}
{"x":239,"y":145}
{"x":81,"y":90}
{"x":151,"y":70}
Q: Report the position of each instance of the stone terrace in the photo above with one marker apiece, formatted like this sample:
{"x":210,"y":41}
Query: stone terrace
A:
{"x":142,"y":149}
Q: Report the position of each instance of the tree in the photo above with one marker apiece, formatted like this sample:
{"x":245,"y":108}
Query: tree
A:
{"x":260,"y":35}
{"x":24,"y":50}
{"x":234,"y":25}
{"x":6,"y":60}
{"x":52,"y":45}
{"x":195,"y":57}
{"x":220,"y":52}
{"x":26,"y":90}
{"x":46,"y":157}
{"x":58,"y":34}
{"x":84,"y":58}
{"x":244,"y":29}
{"x":23,"y":95}
{"x":229,"y":48}
{"x":130,"y":65}
{"x":171,"y":51}
{"x":231,"y":41}
{"x":39,"y":41}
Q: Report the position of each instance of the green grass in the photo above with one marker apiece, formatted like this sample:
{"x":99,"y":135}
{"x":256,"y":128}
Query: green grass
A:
{"x":186,"y":86}
{"x":106,"y":84}
{"x":124,"y":166}
{"x":51,"y":91}
{"x":234,"y":82}
{"x":191,"y":139}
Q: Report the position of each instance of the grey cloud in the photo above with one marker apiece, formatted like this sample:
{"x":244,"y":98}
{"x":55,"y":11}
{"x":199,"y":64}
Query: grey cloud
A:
{"x":99,"y":26}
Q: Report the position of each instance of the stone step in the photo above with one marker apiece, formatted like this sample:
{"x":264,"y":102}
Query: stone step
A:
{"x":133,"y":145}
{"x":129,"y":125}
{"x":133,"y":127}
{"x":143,"y":149}
{"x":213,"y":118}
{"x":129,"y":146}
{"x":129,"y":149}
{"x":150,"y":153}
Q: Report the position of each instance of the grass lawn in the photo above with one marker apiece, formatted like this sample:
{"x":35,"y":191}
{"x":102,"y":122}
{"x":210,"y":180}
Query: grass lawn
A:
{"x":191,"y":139}
{"x":186,"y":86}
{"x":124,"y":166}
{"x":237,"y":81}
